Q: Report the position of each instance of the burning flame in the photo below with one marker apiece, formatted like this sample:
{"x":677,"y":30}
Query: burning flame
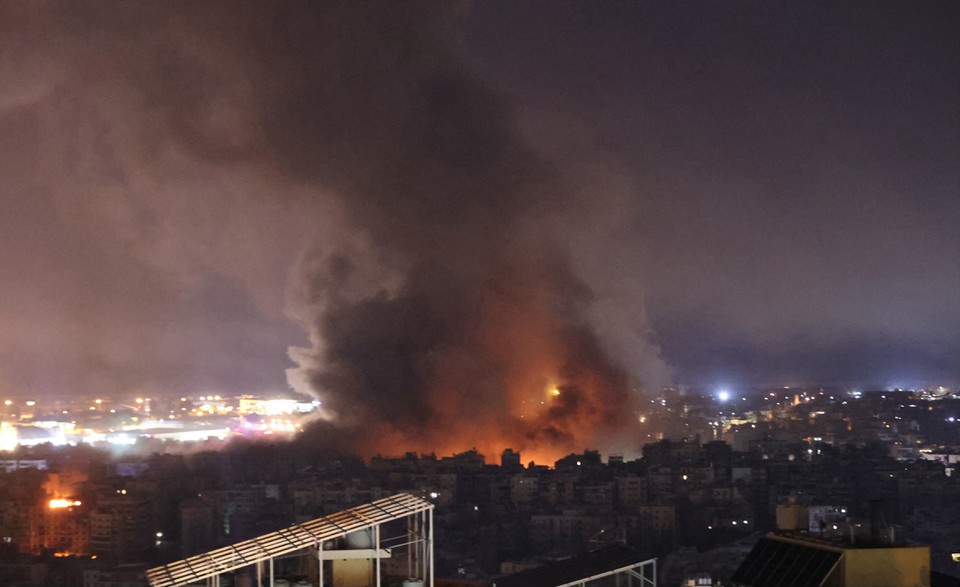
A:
{"x":60,"y":503}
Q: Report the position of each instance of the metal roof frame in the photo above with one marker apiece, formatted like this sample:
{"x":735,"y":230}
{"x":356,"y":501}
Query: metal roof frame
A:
{"x":578,"y":571}
{"x":787,"y":563}
{"x":286,"y":541}
{"x":629,"y":569}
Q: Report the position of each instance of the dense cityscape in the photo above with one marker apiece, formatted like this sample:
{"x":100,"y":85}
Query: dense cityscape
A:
{"x":714,"y":472}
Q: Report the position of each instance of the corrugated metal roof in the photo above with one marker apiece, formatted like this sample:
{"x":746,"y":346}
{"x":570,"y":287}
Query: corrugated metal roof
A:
{"x":286,"y":541}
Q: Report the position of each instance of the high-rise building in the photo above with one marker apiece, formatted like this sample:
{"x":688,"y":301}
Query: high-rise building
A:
{"x":121,"y":528}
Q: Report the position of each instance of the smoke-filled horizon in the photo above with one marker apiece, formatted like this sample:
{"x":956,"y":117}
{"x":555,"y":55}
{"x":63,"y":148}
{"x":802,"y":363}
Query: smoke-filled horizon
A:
{"x":433,"y":216}
{"x":428,"y":266}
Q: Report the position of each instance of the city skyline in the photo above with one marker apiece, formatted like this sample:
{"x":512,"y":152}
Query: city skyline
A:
{"x":852,"y":470}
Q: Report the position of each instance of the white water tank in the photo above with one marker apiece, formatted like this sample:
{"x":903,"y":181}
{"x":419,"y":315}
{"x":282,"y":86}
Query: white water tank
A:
{"x":360,"y":540}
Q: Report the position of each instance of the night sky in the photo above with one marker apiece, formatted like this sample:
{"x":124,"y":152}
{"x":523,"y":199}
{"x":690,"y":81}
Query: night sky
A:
{"x":793,"y":175}
{"x":381,"y":203}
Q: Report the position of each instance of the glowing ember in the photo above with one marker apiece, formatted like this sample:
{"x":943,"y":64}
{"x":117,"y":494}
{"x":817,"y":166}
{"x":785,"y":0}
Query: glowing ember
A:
{"x":63,"y":503}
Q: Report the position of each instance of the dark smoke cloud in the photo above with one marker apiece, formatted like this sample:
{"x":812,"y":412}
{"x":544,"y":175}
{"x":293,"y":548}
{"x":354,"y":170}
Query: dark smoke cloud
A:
{"x":485,"y":314}
{"x":425,"y":230}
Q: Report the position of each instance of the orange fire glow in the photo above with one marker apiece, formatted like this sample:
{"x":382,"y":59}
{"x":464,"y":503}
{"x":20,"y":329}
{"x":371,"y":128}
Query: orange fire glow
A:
{"x":60,"y":503}
{"x":521,"y":374}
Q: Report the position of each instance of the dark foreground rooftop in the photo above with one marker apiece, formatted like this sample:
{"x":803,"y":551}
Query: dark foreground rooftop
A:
{"x":776,"y":563}
{"x":599,"y":562}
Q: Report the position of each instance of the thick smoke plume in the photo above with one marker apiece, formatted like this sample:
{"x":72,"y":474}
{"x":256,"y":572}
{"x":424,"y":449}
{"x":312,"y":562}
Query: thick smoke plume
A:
{"x":483,"y":317}
{"x":443,"y":307}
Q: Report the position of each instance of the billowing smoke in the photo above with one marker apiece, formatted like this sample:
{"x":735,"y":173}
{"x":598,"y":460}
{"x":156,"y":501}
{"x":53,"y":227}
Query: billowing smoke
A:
{"x":478,"y":316}
{"x":438,"y":289}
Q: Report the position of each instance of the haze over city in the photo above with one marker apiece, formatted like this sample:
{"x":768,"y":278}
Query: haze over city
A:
{"x":491,"y":221}
{"x":320,"y":293}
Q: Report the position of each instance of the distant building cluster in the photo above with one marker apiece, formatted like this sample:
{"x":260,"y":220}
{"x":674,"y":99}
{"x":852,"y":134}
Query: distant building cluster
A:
{"x":105,"y":421}
{"x":714,"y":478}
